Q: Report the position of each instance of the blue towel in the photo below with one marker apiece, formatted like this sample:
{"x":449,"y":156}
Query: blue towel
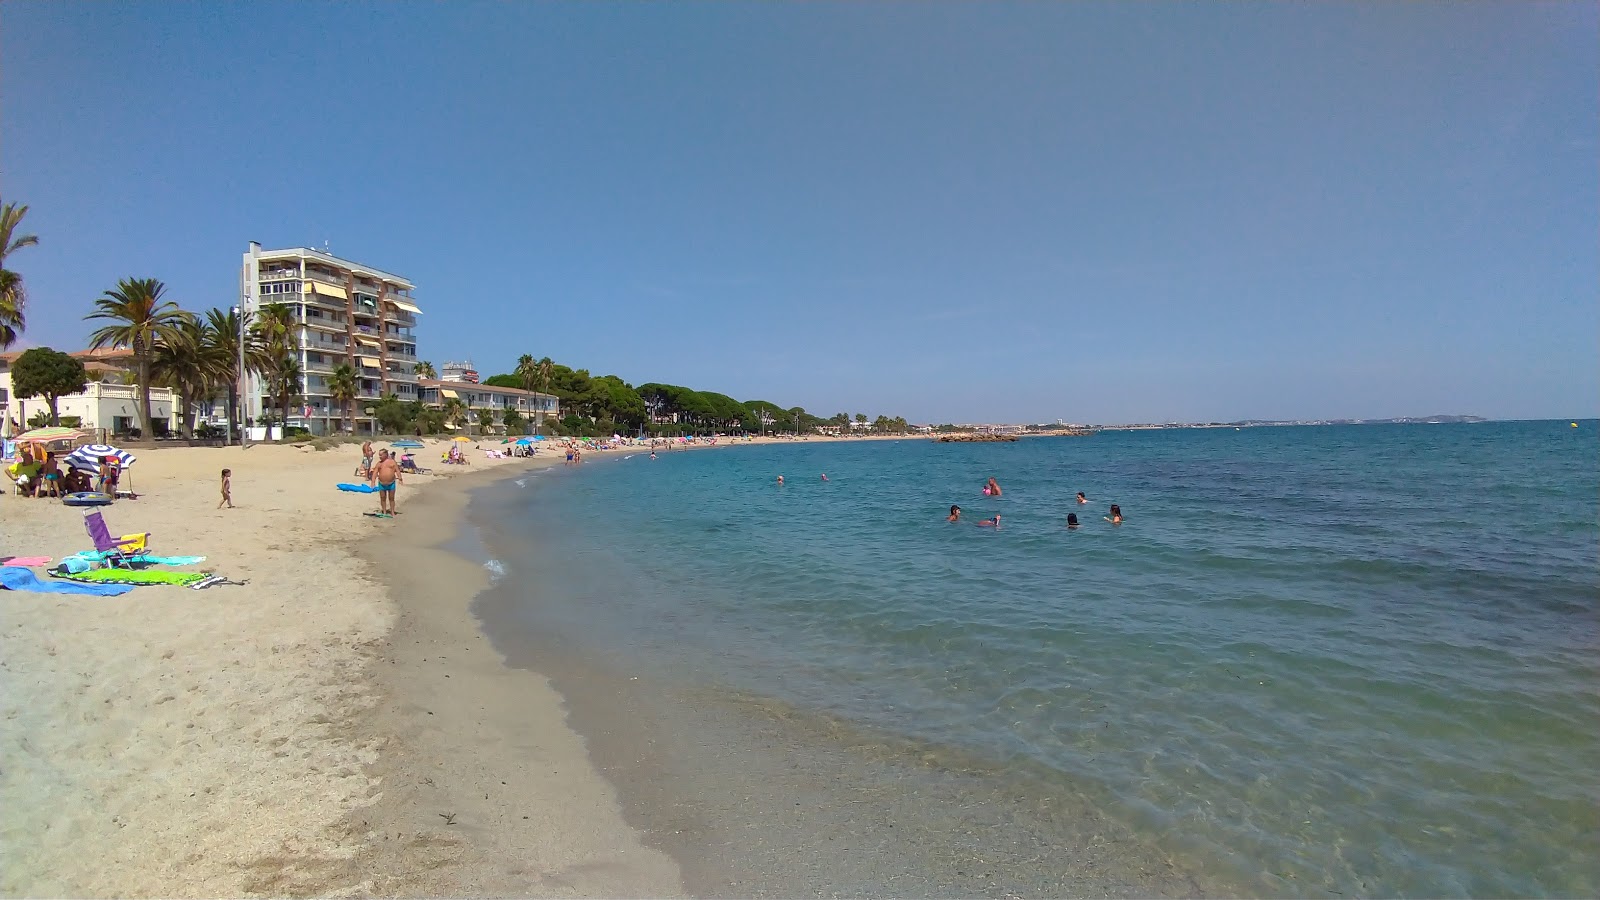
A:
{"x":13,"y":578}
{"x":358,"y":488}
{"x":85,"y":560}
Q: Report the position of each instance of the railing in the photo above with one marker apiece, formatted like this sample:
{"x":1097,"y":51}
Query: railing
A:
{"x":336,"y":280}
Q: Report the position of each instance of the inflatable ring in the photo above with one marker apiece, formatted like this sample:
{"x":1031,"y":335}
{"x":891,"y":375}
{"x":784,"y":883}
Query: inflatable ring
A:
{"x":87,"y":498}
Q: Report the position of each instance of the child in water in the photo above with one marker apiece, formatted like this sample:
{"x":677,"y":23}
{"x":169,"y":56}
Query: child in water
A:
{"x":990,"y":523}
{"x":992,"y":489}
{"x":955,"y":514}
{"x":1072,"y":520}
{"x":1116,"y":515}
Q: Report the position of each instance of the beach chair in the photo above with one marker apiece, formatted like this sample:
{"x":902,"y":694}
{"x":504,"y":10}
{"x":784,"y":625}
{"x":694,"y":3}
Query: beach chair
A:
{"x":114,"y":551}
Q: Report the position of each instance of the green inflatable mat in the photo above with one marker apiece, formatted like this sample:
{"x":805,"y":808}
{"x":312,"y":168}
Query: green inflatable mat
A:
{"x":141,"y":576}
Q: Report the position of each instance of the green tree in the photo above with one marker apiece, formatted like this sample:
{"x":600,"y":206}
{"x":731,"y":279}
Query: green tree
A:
{"x":527,"y":372}
{"x":425,"y":371}
{"x":513,"y":421}
{"x":143,"y":320}
{"x":485,"y":420}
{"x":343,"y":387}
{"x":274,"y":329}
{"x":185,"y":363}
{"x":222,"y":346}
{"x":284,"y":381}
{"x":393,"y":416}
{"x":51,"y":374}
{"x":455,"y":412}
{"x":13,"y":298}
{"x":546,"y":370}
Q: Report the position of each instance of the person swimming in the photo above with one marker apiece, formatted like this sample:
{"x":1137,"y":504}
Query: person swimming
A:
{"x":955,"y":514}
{"x":992,"y":489}
{"x":990,"y":523}
{"x":824,"y":476}
{"x":1116,"y":515}
{"x":780,"y":479}
{"x":1082,"y":498}
{"x":1072,"y":520}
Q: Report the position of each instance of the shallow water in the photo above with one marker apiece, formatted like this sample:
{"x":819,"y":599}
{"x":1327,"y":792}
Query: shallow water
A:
{"x":1322,"y":659}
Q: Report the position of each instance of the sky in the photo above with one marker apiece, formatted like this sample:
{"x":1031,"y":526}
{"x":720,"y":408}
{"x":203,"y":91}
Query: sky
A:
{"x":968,"y":212}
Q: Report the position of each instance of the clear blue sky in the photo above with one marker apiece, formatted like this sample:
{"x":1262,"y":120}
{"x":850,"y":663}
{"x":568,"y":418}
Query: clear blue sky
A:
{"x":973,"y":212}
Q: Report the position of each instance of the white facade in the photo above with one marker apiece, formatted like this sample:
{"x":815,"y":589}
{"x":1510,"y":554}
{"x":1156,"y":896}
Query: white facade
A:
{"x":344,"y":312}
{"x":113,"y":407}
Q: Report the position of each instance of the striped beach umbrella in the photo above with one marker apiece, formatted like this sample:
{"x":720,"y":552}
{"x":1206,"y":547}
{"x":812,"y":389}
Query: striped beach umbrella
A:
{"x":89,"y":456}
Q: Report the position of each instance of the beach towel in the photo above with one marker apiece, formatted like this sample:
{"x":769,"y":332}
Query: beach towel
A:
{"x":127,"y":576}
{"x":18,"y":579}
{"x":25,"y":561}
{"x":88,"y":559}
{"x":358,"y":488}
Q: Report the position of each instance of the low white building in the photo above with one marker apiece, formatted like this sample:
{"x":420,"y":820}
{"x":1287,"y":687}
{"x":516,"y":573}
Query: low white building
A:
{"x":110,"y":406}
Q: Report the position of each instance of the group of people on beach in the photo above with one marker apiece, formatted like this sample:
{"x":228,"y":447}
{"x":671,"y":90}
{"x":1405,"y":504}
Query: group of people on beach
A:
{"x":992,"y":489}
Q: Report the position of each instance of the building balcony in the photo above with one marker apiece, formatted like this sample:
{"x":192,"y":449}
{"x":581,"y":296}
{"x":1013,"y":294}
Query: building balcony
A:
{"x":321,"y":301}
{"x":336,"y":280}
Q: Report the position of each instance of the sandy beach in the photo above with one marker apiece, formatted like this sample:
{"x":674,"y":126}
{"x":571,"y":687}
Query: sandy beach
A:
{"x":320,"y":730}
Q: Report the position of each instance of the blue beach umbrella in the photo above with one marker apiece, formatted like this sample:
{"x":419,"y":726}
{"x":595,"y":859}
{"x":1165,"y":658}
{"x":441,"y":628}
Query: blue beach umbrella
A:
{"x":524,"y":441}
{"x":89,"y":456}
{"x":407,"y":445}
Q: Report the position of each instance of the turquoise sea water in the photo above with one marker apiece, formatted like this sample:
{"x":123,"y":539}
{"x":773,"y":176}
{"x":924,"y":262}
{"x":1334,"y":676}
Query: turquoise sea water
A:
{"x":1354,"y":660}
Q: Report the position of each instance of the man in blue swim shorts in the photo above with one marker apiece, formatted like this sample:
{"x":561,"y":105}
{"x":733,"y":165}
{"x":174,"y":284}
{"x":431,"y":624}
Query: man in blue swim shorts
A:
{"x":386,"y":474}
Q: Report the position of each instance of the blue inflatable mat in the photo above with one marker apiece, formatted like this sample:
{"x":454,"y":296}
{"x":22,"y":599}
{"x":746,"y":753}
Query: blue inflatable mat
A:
{"x":358,"y":488}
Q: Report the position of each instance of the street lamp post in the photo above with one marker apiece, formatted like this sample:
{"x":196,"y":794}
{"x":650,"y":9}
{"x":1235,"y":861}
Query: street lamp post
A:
{"x":243,"y":385}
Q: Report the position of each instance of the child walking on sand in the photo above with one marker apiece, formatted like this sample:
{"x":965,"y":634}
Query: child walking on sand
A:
{"x":227,"y":489}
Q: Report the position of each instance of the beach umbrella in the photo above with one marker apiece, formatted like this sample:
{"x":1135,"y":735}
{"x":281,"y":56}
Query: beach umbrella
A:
{"x":48,"y":435}
{"x":89,"y":456}
{"x":462,"y":437}
{"x":524,"y":441}
{"x":407,"y":445}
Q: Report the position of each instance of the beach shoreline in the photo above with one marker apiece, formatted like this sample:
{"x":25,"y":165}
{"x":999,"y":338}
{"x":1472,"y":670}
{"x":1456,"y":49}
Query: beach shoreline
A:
{"x":315,"y":731}
{"x":270,"y":738}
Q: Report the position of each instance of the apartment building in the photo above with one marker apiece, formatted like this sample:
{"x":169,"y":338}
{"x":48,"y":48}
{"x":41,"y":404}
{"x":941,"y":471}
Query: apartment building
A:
{"x":344,"y":312}
{"x":460,"y":382}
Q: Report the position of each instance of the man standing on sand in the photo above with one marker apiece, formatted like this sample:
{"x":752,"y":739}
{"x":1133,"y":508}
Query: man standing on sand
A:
{"x":386,"y":473}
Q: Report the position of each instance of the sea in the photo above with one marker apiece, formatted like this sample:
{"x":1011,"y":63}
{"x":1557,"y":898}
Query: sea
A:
{"x":1312,"y":661}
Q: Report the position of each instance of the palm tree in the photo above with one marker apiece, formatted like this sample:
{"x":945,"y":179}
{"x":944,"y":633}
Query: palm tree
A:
{"x":342,"y":387}
{"x":284,"y":383}
{"x":425,"y":371}
{"x":145,"y":321}
{"x":222,"y":346}
{"x":455,"y":411}
{"x":12,"y":296}
{"x":546,"y":370}
{"x":184,"y":362}
{"x":12,"y":300}
{"x":10,"y":217}
{"x":274,"y":329}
